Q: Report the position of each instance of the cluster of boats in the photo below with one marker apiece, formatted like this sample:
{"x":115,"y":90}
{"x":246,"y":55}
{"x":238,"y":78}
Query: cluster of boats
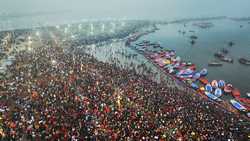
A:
{"x":244,"y":61}
{"x":187,"y":73}
{"x":223,"y":57}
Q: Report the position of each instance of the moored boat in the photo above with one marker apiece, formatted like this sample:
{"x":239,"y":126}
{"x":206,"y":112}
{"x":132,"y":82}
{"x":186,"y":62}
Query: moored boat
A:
{"x":204,"y":72}
{"x":227,"y":59}
{"x":238,"y":105}
{"x":221,"y":83}
{"x":208,"y":88}
{"x":194,"y":86}
{"x":211,"y":96}
{"x":248,"y":114}
{"x":189,"y":64}
{"x":244,"y":100}
{"x":193,"y":37}
{"x":196,"y":75}
{"x":203,"y":80}
{"x":156,"y":45}
{"x":248,"y":95}
{"x":218,"y":92}
{"x":219,"y":55}
{"x":214,"y":84}
{"x":236,"y":93}
{"x":192,"y":67}
{"x":223,"y":58}
{"x":228,"y":88}
{"x":215,"y":64}
{"x":244,"y":61}
{"x":185,"y":72}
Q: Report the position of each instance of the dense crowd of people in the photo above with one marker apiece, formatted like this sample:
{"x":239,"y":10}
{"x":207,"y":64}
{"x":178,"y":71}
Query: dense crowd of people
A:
{"x":55,"y":94}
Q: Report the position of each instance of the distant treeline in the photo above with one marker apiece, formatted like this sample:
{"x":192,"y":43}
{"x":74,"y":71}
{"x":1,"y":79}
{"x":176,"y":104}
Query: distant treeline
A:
{"x":241,"y":19}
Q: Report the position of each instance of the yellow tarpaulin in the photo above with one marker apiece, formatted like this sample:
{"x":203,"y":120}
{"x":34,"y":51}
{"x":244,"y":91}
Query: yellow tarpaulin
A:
{"x":167,"y":62}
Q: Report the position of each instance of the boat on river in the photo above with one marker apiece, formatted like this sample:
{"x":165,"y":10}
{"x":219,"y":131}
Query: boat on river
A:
{"x":228,"y":88}
{"x":178,"y":69}
{"x":204,"y":72}
{"x":248,"y":95}
{"x":211,"y":96}
{"x":218,"y":92}
{"x":203,"y":80}
{"x":194,"y":86}
{"x":219,"y":54}
{"x":221,"y":83}
{"x":208,"y":88}
{"x":244,"y":61}
{"x":227,"y":59}
{"x":244,"y":100}
{"x":196,"y":75}
{"x":238,"y":105}
{"x":193,"y":37}
{"x":214,"y":84}
{"x":223,"y":58}
{"x":236,"y":93}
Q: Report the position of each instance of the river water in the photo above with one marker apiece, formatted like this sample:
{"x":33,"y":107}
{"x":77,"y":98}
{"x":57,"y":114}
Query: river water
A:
{"x":209,"y":41}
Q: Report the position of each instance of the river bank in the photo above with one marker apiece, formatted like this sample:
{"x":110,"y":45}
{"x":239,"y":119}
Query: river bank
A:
{"x":146,"y":53}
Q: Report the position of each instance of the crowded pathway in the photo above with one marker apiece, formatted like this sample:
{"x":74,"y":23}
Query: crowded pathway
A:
{"x":59,"y":94}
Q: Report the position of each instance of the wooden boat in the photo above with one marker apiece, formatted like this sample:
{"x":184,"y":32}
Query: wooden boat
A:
{"x":227,"y":59}
{"x":244,"y":100}
{"x":211,"y":96}
{"x":196,"y":75}
{"x":248,"y":95}
{"x":214,"y":84}
{"x":192,"y":67}
{"x":140,"y":44}
{"x":204,"y":72}
{"x":218,"y":92}
{"x":203,"y":80}
{"x":221,"y":83}
{"x":156,"y":45}
{"x":190,"y":64}
{"x":219,"y":55}
{"x":228,"y":88}
{"x":193,"y":37}
{"x":222,"y":57}
{"x":215,"y":64}
{"x":208,"y":88}
{"x":194,"y":86}
{"x":238,"y":105}
{"x":186,"y":72}
{"x":244,"y":61}
{"x":236,"y":93}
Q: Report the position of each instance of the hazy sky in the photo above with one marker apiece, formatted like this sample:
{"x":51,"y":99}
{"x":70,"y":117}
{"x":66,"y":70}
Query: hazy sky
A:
{"x":152,"y":9}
